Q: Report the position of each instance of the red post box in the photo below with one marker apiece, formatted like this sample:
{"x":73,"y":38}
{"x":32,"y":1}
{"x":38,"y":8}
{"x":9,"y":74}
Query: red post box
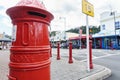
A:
{"x":30,"y":51}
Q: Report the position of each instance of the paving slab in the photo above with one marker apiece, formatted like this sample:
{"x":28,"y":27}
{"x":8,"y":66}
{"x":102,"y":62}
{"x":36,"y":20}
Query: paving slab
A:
{"x":61,"y":69}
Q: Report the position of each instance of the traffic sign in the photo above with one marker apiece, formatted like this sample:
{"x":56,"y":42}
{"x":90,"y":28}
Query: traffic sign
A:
{"x":87,"y":8}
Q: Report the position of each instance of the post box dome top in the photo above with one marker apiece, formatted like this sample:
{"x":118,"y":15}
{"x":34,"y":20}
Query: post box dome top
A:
{"x":31,"y":3}
{"x":30,"y":8}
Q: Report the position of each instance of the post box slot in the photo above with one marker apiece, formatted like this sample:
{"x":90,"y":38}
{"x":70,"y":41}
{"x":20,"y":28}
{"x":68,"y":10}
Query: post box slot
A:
{"x":37,"y":14}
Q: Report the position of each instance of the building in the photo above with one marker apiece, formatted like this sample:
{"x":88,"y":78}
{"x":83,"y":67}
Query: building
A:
{"x":65,"y":37}
{"x":109,"y":35}
{"x":62,"y":37}
{"x":4,"y":41}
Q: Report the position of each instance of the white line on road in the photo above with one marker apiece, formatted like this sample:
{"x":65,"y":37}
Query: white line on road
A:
{"x":102,"y":56}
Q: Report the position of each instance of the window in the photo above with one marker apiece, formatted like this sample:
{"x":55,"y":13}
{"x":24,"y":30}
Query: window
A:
{"x":103,"y":27}
{"x":117,"y":25}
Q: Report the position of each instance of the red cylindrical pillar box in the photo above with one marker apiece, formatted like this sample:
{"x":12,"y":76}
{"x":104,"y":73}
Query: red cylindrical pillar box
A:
{"x":30,"y":51}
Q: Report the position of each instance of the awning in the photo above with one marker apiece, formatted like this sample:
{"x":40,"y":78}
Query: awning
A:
{"x":5,"y":39}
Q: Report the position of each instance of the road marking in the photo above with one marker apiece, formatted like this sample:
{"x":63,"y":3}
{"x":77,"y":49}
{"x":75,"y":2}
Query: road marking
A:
{"x":106,"y":56}
{"x":100,"y":57}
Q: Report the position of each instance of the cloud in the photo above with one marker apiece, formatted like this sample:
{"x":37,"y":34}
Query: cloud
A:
{"x":8,"y":3}
{"x":70,"y":9}
{"x":1,"y":7}
{"x":5,"y":25}
{"x":6,"y":29}
{"x":59,"y":6}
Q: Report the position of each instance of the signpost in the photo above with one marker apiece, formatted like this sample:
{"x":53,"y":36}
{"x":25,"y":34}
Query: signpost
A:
{"x":88,"y":9}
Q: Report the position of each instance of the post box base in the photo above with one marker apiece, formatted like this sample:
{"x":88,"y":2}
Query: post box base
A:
{"x":33,"y":74}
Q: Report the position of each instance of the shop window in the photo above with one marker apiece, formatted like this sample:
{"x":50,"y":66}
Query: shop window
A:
{"x":119,"y":41}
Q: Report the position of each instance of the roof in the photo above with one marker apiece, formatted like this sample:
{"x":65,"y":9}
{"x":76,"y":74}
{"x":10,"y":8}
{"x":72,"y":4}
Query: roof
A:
{"x":5,"y":39}
{"x":106,"y":33}
{"x":64,"y":36}
{"x":78,"y":37}
{"x":69,"y":34}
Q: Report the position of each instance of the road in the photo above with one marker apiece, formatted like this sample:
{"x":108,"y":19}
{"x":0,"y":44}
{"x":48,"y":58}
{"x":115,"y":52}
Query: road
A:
{"x":112,"y":62}
{"x":107,"y":58}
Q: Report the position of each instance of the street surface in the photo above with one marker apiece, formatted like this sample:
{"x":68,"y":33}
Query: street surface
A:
{"x":111,"y":62}
{"x":60,"y":69}
{"x":4,"y":59}
{"x":80,"y":54}
{"x":107,"y":58}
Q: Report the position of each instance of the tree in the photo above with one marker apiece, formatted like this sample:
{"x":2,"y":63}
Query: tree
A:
{"x":75,"y":30}
{"x":92,"y":30}
{"x":53,"y":33}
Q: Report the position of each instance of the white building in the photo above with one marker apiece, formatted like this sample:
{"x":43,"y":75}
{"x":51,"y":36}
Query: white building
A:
{"x":5,"y":42}
{"x":63,"y":36}
{"x":108,"y":37}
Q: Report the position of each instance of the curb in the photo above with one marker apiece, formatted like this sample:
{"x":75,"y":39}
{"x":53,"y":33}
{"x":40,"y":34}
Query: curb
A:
{"x":99,"y":75}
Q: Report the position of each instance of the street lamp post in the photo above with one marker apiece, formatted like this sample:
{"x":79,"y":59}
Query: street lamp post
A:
{"x":64,"y":18}
{"x":113,"y":13}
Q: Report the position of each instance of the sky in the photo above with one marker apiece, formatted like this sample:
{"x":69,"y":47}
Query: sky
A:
{"x":70,"y":12}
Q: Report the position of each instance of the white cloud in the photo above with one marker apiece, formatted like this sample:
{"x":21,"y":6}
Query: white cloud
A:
{"x":71,"y":9}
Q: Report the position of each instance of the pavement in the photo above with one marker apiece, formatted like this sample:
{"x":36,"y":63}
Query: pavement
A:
{"x":61,"y":69}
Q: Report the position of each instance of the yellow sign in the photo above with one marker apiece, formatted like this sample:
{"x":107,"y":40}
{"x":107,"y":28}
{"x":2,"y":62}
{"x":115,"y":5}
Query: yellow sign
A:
{"x":87,"y":8}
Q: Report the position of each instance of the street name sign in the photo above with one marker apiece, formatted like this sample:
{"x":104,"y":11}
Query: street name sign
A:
{"x":87,"y":8}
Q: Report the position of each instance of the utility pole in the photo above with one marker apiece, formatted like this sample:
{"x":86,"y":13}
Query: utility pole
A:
{"x":113,"y":13}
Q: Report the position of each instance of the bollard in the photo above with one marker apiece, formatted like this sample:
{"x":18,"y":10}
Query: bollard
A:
{"x":70,"y":53}
{"x":90,"y":49}
{"x":58,"y":51}
{"x":30,"y":50}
